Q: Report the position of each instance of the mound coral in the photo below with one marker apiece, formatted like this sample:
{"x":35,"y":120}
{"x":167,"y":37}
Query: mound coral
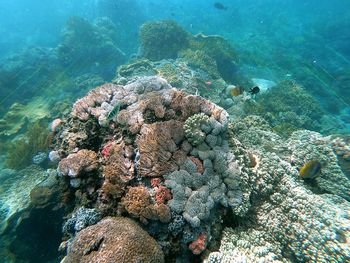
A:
{"x":162,"y":39}
{"x":292,"y":222}
{"x":115,"y":239}
{"x":287,"y":107}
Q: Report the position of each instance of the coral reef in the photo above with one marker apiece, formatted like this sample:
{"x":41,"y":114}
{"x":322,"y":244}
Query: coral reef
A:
{"x":175,"y":164}
{"x":306,"y":146}
{"x":166,"y":40}
{"x":115,"y":239}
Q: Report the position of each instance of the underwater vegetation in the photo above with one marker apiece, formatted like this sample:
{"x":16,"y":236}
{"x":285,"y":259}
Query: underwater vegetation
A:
{"x":34,"y":141}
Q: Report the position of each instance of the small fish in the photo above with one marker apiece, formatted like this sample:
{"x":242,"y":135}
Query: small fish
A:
{"x":220,"y":6}
{"x":114,"y":112}
{"x":310,"y":169}
{"x":254,"y":90}
{"x":208,"y":83}
{"x":236,"y":91}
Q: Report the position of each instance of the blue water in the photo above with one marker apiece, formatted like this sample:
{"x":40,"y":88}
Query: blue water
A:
{"x":42,"y":70}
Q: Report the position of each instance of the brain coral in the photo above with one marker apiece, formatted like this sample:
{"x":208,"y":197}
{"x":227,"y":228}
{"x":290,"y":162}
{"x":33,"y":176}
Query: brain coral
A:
{"x":115,"y":239}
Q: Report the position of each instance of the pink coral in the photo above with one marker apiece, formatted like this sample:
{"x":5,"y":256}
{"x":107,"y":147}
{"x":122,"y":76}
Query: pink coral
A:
{"x":106,"y":150}
{"x":83,"y":107}
{"x":199,"y":245}
{"x":163,"y":194}
{"x":55,"y":124}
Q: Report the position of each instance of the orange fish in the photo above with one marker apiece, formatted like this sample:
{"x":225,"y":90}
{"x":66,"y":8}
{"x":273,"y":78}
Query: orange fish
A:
{"x":310,"y":169}
{"x":236,"y":91}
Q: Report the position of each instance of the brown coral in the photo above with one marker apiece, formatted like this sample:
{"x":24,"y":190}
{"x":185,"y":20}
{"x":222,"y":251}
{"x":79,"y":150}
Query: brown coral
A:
{"x":117,"y":172}
{"x":185,"y":105}
{"x":77,"y":163}
{"x":138,"y":203}
{"x":115,"y":239}
{"x":158,"y":145}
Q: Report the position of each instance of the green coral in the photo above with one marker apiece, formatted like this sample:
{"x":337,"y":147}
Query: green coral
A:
{"x":214,"y":46}
{"x":170,"y":73}
{"x":20,"y":116}
{"x":193,"y":128}
{"x":220,"y":50}
{"x":21,"y":151}
{"x":200,"y":59}
{"x":162,"y":39}
{"x":287,"y":107}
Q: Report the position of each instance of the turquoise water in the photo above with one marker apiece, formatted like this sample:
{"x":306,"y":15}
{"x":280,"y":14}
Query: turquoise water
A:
{"x":293,"y":129}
